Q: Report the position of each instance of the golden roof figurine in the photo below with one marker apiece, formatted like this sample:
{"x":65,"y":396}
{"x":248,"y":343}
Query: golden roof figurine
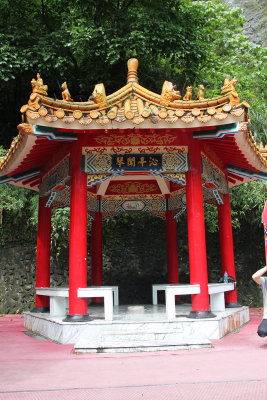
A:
{"x":65,"y":92}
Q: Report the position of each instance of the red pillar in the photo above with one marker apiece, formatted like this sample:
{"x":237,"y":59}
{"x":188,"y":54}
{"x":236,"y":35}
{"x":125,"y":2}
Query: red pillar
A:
{"x":172,"y":252}
{"x":196,"y":233}
{"x":43,"y":254}
{"x":97,"y":260}
{"x":227,"y":248}
{"x":78,"y":237}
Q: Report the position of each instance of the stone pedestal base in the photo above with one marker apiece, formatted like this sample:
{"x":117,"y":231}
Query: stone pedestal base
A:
{"x":145,"y":330}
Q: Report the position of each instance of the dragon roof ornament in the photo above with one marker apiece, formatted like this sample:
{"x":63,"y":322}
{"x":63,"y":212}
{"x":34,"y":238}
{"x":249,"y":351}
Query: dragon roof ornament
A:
{"x":133,"y":102}
{"x":134,"y":106}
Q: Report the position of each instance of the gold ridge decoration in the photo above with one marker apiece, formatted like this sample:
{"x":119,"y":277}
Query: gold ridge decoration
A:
{"x":188,"y":95}
{"x":255,"y":147}
{"x":220,"y":116}
{"x":38,"y":85}
{"x":146,"y":112}
{"x":32,"y":115}
{"x":263,"y":151}
{"x":237,"y":112}
{"x":229,"y":85}
{"x":211,"y":111}
{"x":140,"y":106}
{"x":204,"y":118}
{"x":94,"y":114}
{"x":26,"y":129}
{"x":24,"y":108}
{"x":42,"y":111}
{"x":138,"y":120}
{"x":243,"y":127}
{"x":227,"y":107}
{"x":13,"y":147}
{"x":154,"y":109}
{"x":168,"y":93}
{"x":99,"y":95}
{"x":68,"y":119}
{"x":103,"y":120}
{"x":52,"y":118}
{"x":112,"y":113}
{"x":200,"y":93}
{"x":179,"y":113}
{"x":196,"y":112}
{"x":134,"y":103}
{"x":171,"y":119}
{"x":132,"y":70}
{"x":60,"y":113}
{"x":65,"y":92}
{"x":129,"y":114}
{"x":163,"y":113}
{"x":33,"y":102}
{"x":85,"y":121}
{"x":188,"y":118}
{"x":77,"y":114}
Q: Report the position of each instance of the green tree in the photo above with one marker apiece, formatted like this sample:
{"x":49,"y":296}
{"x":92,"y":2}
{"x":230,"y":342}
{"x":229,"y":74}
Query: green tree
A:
{"x":85,"y":42}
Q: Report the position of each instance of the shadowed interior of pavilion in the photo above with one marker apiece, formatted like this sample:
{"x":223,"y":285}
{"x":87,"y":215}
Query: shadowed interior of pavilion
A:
{"x":134,"y":151}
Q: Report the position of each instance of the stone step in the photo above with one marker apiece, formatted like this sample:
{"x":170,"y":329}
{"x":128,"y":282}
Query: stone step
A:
{"x":128,"y":341}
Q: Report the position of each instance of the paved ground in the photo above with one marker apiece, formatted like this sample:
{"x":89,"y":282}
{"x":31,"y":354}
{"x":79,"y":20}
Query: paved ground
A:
{"x":235,"y":368}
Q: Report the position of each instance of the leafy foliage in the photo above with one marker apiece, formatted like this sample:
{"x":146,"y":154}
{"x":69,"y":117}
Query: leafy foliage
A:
{"x":12,"y":200}
{"x":83,"y":42}
{"x":247,"y":204}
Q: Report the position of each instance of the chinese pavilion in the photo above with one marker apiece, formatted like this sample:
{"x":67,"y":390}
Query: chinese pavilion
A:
{"x":133,"y":151}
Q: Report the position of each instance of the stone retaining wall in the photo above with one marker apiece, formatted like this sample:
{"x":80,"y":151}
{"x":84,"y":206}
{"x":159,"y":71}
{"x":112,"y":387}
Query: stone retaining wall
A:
{"x":17,"y":277}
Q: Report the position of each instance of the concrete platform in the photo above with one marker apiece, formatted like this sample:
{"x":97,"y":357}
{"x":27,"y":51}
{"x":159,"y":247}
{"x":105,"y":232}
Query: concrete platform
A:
{"x":137,"y":328}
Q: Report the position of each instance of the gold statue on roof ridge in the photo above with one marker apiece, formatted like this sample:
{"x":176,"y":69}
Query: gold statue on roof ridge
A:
{"x":65,"y":92}
{"x":169,"y":93}
{"x":188,"y":95}
{"x":229,"y":85}
{"x":38,"y":85}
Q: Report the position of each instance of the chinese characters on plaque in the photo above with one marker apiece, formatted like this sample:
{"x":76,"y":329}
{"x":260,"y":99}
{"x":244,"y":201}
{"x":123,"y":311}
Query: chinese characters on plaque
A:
{"x":133,"y":162}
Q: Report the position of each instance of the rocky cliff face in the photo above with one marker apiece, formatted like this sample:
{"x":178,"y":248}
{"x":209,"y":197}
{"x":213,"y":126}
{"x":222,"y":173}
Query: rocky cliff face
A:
{"x":255,"y":13}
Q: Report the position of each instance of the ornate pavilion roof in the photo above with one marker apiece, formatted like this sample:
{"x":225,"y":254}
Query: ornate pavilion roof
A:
{"x":221,"y":123}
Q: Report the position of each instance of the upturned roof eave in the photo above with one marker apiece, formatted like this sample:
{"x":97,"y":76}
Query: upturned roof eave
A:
{"x":131,"y":107}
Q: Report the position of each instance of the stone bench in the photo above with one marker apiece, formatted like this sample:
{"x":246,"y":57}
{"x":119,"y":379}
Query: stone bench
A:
{"x":216,"y":292}
{"x":172,"y":290}
{"x":101,"y":291}
{"x":183,"y":287}
{"x":59,"y":298}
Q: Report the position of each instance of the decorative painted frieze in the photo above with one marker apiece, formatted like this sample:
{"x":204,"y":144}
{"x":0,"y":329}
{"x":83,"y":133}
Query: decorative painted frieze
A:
{"x":55,"y":180}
